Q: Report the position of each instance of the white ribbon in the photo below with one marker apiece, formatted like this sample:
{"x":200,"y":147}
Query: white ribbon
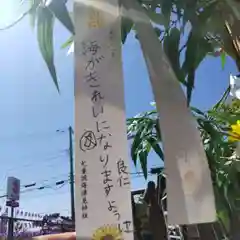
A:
{"x":103,"y":197}
{"x":235,"y":86}
{"x":71,"y":49}
{"x":238,"y":149}
{"x":189,"y":186}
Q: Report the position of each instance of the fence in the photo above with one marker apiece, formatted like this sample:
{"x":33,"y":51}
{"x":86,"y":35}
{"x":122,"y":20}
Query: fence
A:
{"x":155,"y":202}
{"x":149,"y":216}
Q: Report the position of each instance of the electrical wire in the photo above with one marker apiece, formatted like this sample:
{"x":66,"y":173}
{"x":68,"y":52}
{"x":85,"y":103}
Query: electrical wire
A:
{"x":46,"y":186}
{"x":38,"y":135}
{"x":56,"y":185}
{"x":32,"y":186}
{"x":42,"y":155}
{"x":41,"y":182}
{"x":42,"y":195}
{"x":43,"y":158}
{"x":59,"y":176}
{"x":51,"y":160}
{"x":46,"y":159}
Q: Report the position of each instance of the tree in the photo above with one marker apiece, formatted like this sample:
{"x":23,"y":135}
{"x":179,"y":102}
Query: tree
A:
{"x":215,"y":127}
{"x":210,"y":28}
{"x":208,"y":25}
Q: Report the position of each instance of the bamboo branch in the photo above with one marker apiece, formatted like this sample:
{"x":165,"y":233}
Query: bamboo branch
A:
{"x":18,"y":19}
{"x":234,"y":33}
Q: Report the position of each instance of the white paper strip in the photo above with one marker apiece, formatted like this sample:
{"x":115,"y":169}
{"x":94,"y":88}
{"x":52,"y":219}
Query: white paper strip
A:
{"x":103,"y":201}
{"x":71,"y":49}
{"x":235,"y":86}
{"x":238,"y":149}
{"x":189,"y":186}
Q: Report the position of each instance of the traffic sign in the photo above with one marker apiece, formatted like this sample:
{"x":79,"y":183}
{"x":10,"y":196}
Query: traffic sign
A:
{"x":13,"y":189}
{"x":13,"y":204}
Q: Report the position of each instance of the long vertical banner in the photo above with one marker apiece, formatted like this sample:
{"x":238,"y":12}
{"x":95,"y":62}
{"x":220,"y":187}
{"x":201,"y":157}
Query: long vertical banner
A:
{"x":190,"y":197}
{"x":102,"y":181}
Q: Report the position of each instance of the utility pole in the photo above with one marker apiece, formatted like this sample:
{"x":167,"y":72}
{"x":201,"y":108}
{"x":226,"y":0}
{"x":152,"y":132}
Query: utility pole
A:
{"x":11,"y":225}
{"x":70,"y":130}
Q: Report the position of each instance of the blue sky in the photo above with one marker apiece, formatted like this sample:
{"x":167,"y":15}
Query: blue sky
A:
{"x":32,"y":110}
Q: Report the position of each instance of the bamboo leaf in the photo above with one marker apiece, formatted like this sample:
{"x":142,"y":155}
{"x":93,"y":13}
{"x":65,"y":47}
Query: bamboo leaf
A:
{"x":157,"y":128}
{"x":223,"y":59}
{"x":67,"y":43}
{"x":189,"y":64}
{"x":126,"y":27}
{"x":190,"y":83}
{"x":158,"y":31}
{"x":33,"y":12}
{"x":171,"y":48}
{"x":166,"y":9}
{"x":162,"y":183}
{"x":196,"y":110}
{"x":143,"y":154}
{"x":197,"y":49}
{"x":155,"y":146}
{"x":223,"y":99}
{"x":59,"y":9}
{"x":45,"y":40}
{"x":135,"y":147}
{"x":157,"y":18}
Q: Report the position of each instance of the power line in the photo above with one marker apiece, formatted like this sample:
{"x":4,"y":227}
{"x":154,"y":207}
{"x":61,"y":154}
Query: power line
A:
{"x":63,"y":175}
{"x":42,"y":181}
{"x":30,"y":187}
{"x":37,"y":154}
{"x":46,"y":186}
{"x":56,"y":132}
{"x":56,"y":183}
{"x":129,"y":137}
{"x":46,"y":159}
{"x":42,"y":195}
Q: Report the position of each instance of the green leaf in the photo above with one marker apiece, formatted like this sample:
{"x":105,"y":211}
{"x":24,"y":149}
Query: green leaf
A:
{"x":154,"y":144}
{"x":158,"y":31}
{"x":189,"y":63}
{"x":222,"y":99}
{"x":157,"y":128}
{"x":196,"y":110}
{"x":67,"y":43}
{"x":224,"y":219}
{"x":207,"y":11}
{"x":171,"y":48}
{"x":184,"y":21}
{"x":223,"y":59}
{"x":166,"y":9}
{"x":225,"y":117}
{"x":162,"y":183}
{"x":190,"y":84}
{"x":208,"y":127}
{"x":143,"y":162}
{"x":207,"y":21}
{"x":147,"y":127}
{"x":135,"y":147}
{"x":59,"y":9}
{"x":45,"y":40}
{"x":197,"y":49}
{"x":157,"y":18}
{"x":153,"y":104}
{"x":33,"y":12}
{"x":126,"y":26}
